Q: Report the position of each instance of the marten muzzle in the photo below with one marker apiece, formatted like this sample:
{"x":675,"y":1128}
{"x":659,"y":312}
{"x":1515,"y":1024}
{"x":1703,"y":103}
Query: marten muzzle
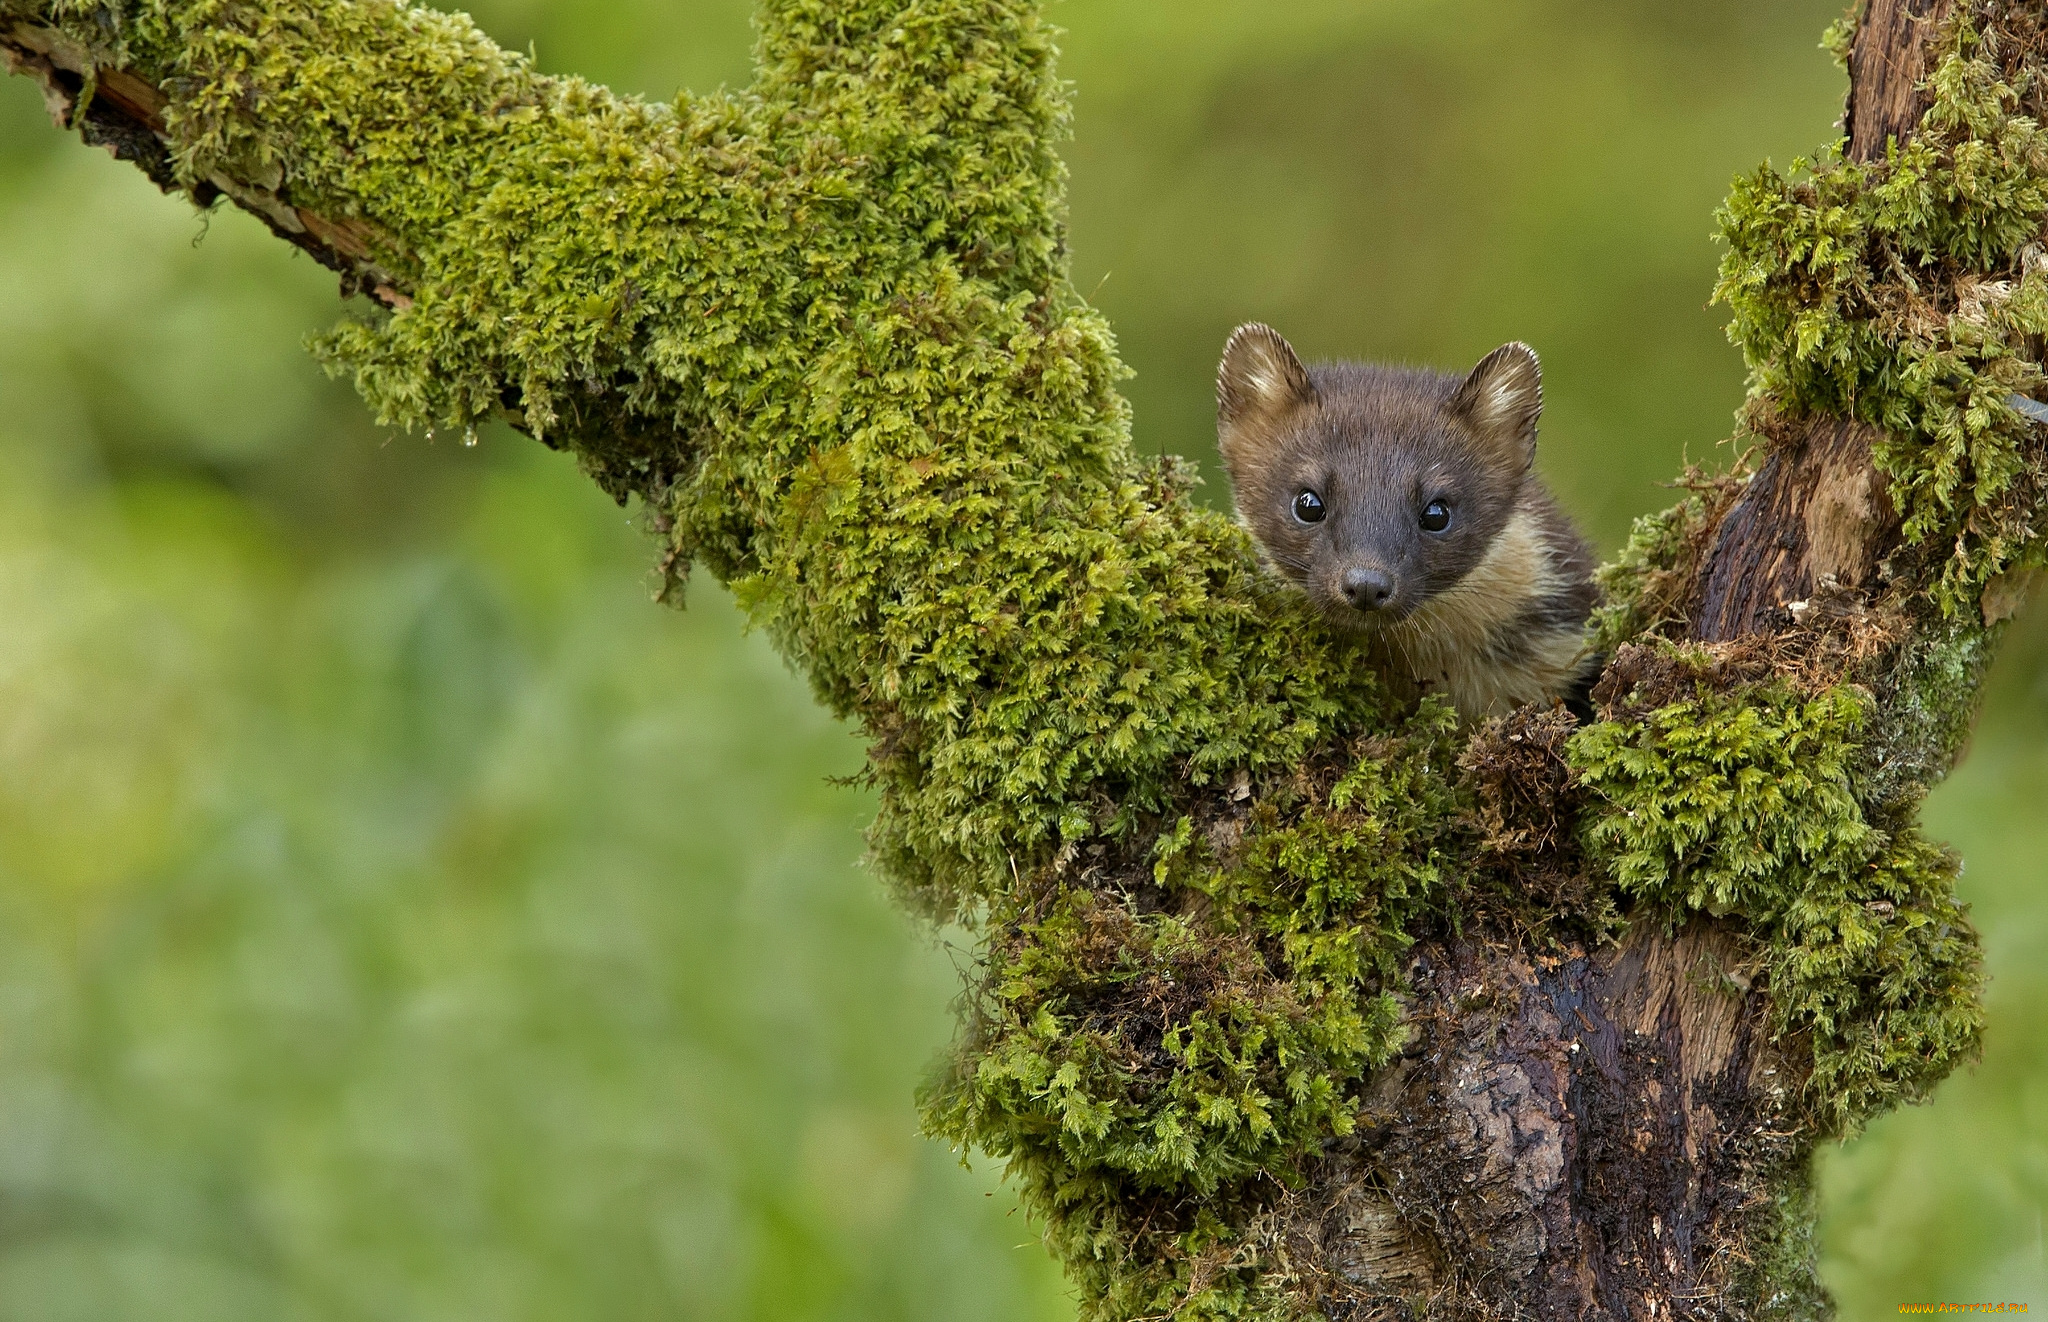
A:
{"x":1366,"y":589}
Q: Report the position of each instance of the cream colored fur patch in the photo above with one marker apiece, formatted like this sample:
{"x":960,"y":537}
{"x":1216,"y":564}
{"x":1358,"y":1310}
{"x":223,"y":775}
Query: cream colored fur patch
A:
{"x":1454,"y":643}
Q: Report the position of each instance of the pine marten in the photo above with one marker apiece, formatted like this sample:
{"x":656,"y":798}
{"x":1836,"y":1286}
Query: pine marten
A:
{"x":1403,"y":502}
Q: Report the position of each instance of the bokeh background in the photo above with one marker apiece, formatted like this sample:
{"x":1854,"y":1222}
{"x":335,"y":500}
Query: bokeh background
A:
{"x":402,"y":918}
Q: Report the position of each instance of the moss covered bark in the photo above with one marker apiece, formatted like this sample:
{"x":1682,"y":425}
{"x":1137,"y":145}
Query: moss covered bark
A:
{"x":822,"y":330}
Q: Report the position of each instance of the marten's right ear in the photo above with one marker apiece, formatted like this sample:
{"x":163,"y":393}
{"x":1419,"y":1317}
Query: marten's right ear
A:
{"x":1259,"y":382}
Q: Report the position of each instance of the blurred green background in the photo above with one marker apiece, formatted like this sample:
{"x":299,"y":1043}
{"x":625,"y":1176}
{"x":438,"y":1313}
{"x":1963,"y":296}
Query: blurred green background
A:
{"x":401,"y":918}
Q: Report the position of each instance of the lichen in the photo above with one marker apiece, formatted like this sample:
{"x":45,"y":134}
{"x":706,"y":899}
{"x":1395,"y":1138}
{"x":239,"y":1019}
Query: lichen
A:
{"x":1781,"y":1280}
{"x":1928,"y":705}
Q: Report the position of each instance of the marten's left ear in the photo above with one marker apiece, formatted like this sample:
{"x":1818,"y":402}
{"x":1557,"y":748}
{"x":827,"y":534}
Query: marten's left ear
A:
{"x":1500,"y":402}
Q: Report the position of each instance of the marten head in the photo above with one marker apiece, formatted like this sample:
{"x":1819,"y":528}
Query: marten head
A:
{"x":1374,"y":488}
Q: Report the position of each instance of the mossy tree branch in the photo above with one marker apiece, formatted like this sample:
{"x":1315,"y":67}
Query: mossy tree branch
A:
{"x":1291,"y":998}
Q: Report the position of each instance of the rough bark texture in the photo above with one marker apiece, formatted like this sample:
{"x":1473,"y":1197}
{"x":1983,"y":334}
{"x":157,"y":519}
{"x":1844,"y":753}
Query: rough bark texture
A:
{"x":1815,"y":513}
{"x":1609,"y":1133}
{"x":1572,"y":1134}
{"x":1888,"y":68}
{"x":895,"y":431}
{"x":1816,"y":508}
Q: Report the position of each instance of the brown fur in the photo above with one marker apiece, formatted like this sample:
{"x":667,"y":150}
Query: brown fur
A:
{"x":1489,"y":610}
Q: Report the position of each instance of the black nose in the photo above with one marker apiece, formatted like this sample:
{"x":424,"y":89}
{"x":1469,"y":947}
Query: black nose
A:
{"x":1367,"y":589}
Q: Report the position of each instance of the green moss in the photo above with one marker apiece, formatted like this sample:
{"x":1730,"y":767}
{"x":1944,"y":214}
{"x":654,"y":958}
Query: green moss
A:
{"x":1728,"y":802}
{"x":1639,"y":588}
{"x":823,"y":330}
{"x":1744,"y":802}
{"x":1203,"y":1038}
{"x":1898,"y":292}
{"x":1840,"y":37}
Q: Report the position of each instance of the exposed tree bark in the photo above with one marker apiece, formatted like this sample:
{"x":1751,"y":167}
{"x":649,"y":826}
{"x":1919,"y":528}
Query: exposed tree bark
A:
{"x":1572,"y":1134}
{"x":1605,"y":1133}
{"x":1816,"y":508}
{"x":1575,"y":1127}
{"x":124,"y":114}
{"x":1888,"y":68}
{"x":1815,"y":512}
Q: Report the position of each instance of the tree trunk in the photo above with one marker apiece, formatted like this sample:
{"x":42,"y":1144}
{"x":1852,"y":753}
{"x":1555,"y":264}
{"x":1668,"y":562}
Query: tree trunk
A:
{"x":1571,"y":1134}
{"x":1617,"y":1131}
{"x":1563,"y":1042}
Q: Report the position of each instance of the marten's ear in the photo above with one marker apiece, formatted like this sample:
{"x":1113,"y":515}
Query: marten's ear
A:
{"x":1259,"y":380}
{"x":1500,"y":402}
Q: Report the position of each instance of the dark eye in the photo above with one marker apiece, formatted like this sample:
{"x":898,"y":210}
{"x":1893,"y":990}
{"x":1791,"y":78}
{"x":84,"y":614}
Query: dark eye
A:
{"x":1436,"y":516}
{"x":1308,"y":507}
